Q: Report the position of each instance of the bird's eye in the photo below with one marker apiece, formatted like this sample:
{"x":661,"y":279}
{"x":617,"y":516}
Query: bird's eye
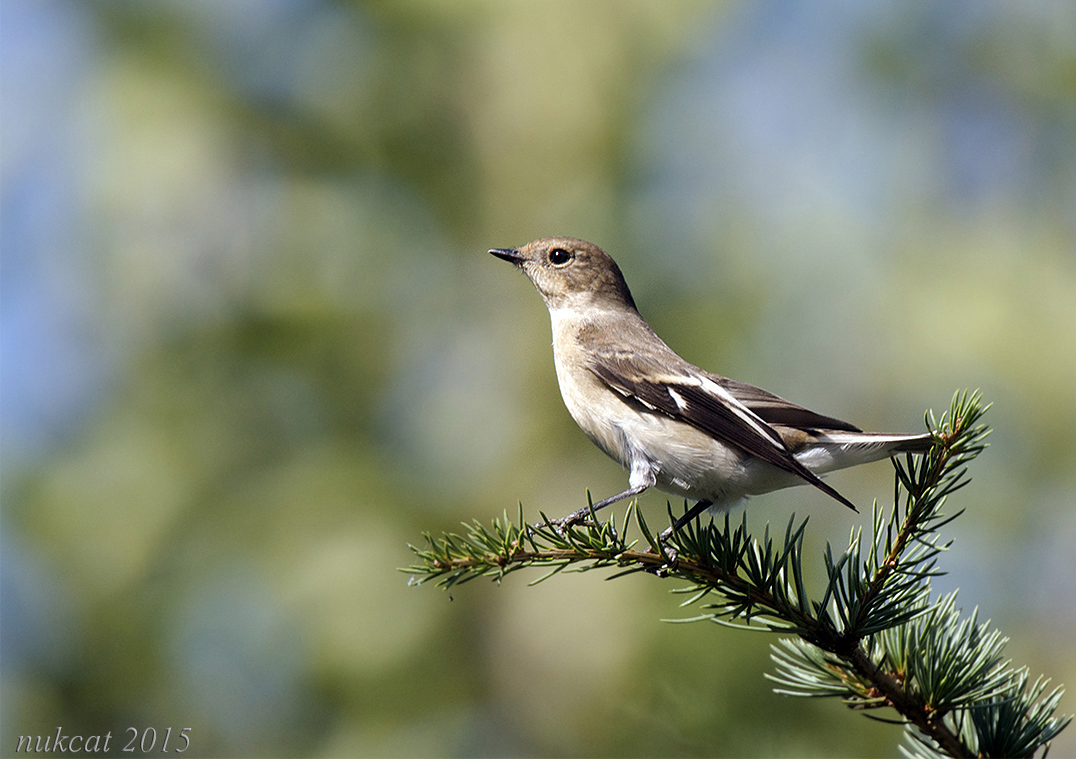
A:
{"x":559,"y":256}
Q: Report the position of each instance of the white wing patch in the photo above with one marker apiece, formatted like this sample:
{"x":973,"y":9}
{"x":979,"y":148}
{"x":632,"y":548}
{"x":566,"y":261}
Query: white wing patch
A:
{"x":740,"y":410}
{"x":678,"y":399}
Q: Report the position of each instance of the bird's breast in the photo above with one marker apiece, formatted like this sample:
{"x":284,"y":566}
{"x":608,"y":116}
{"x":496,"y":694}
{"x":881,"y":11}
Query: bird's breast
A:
{"x":684,"y":460}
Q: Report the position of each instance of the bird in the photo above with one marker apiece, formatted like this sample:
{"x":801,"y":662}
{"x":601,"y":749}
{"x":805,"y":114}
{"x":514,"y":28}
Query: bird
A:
{"x":675,"y":427}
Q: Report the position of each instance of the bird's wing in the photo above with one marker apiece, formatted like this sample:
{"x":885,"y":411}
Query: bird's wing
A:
{"x":773,"y":409}
{"x":694,"y":398}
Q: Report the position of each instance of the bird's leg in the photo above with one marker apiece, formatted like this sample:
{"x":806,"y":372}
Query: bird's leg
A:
{"x":690,"y":514}
{"x":642,"y":477}
{"x":578,"y":516}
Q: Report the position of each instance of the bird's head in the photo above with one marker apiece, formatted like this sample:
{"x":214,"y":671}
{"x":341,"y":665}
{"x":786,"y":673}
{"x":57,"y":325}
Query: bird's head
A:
{"x":571,"y":273}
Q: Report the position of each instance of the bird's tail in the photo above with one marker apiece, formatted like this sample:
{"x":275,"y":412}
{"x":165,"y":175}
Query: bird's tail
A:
{"x":838,"y":449}
{"x":879,"y":440}
{"x":913,"y":443}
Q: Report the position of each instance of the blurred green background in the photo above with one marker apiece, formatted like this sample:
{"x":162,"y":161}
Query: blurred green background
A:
{"x":253,"y":346}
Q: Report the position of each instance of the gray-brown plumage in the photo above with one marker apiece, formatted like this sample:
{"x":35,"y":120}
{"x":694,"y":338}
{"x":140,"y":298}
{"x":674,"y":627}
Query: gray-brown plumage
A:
{"x":673,"y":425}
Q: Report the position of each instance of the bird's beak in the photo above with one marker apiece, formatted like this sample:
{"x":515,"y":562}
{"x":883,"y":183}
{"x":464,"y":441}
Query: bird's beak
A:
{"x":508,"y":254}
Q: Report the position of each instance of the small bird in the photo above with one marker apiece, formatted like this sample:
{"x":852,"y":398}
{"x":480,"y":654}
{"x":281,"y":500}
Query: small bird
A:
{"x":673,"y":425}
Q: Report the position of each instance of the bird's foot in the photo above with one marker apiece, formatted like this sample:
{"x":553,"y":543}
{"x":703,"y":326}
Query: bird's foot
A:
{"x":581,"y":518}
{"x":670,"y":554}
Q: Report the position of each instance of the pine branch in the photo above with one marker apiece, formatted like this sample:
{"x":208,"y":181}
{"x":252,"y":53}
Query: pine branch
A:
{"x":874,"y":638}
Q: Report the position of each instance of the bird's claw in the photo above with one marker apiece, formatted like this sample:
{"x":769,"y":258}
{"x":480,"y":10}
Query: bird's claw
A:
{"x":562,"y":525}
{"x":670,"y":554}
